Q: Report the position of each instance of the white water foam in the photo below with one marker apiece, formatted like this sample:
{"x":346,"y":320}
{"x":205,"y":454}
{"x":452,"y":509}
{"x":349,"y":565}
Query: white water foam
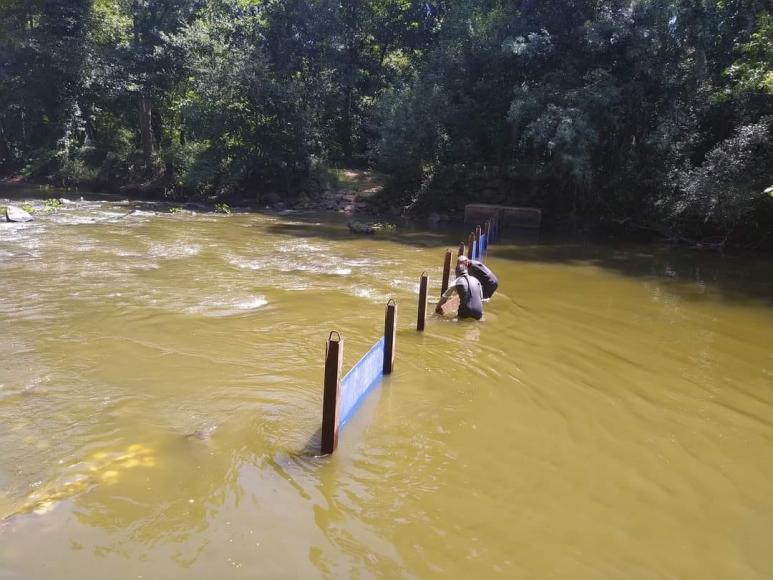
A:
{"x":173,"y":251}
{"x":245,"y":263}
{"x":217,"y":308}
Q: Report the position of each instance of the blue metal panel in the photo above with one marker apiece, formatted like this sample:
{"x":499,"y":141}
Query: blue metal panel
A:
{"x":363,"y":376}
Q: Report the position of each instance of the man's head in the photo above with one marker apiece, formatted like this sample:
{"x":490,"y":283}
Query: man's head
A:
{"x":461,"y":269}
{"x":463,"y":261}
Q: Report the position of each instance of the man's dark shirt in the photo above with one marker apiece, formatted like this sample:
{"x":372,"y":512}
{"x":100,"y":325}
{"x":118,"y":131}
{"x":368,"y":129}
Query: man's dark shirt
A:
{"x":470,"y":293}
{"x":485,"y":276}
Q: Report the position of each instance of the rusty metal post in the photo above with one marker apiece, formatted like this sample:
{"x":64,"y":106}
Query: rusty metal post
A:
{"x":390,"y":336}
{"x":461,"y":250}
{"x":446,"y":272}
{"x":477,"y":244}
{"x":334,"y":356}
{"x":484,"y":239}
{"x":422,"y":313}
{"x":470,"y":242}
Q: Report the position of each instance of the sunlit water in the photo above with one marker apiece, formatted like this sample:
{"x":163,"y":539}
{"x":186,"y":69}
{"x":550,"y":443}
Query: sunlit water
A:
{"x":161,"y":386}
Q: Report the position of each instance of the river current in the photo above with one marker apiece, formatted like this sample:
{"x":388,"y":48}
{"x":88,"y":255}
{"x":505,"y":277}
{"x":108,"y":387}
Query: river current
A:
{"x":161,"y":393}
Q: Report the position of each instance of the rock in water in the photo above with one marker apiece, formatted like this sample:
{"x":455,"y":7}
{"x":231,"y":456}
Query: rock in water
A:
{"x":17,"y":214}
{"x":362,"y":228}
{"x":202,"y":434}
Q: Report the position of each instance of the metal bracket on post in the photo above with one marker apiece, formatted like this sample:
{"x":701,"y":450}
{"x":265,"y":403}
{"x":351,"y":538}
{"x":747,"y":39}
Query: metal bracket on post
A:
{"x":446,"y":272}
{"x":390,"y":335}
{"x":422,"y":313}
{"x":334,"y":356}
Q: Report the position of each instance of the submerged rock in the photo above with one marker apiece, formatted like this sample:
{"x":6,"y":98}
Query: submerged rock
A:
{"x":204,"y":434}
{"x":363,"y":228}
{"x":17,"y":214}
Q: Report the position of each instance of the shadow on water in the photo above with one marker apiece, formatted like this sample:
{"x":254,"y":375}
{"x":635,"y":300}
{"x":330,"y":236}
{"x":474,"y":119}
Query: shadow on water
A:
{"x":691,"y":274}
{"x":338,"y":232}
{"x":312,"y":447}
{"x":334,"y":227}
{"x":21,"y":192}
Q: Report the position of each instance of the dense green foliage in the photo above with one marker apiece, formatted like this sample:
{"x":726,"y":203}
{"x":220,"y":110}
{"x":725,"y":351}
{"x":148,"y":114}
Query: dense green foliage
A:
{"x":654,"y":115}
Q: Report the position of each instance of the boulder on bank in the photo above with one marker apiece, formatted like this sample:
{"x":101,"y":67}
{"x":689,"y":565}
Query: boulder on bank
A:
{"x":271,"y":198}
{"x":371,"y":227}
{"x":435,"y":218}
{"x":16,"y":214}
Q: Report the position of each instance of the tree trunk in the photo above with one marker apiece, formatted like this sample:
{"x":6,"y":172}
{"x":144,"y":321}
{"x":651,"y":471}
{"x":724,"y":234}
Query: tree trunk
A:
{"x":23,"y":119}
{"x":157,"y":123}
{"x":351,"y":23}
{"x":5,"y":148}
{"x":146,"y":128}
{"x":145,"y":108}
{"x":347,"y":129}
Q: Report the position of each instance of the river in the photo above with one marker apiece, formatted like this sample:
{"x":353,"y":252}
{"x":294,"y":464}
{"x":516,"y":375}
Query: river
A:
{"x":161,"y":387}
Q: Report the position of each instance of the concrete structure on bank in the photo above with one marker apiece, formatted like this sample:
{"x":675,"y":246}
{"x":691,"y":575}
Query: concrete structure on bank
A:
{"x":520,"y":218}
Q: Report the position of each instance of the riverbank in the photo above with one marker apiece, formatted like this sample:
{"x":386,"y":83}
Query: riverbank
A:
{"x":362,"y":196}
{"x":349,"y":191}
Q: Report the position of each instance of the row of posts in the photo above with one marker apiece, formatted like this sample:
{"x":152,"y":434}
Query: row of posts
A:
{"x":334,"y":348}
{"x":474,"y":248}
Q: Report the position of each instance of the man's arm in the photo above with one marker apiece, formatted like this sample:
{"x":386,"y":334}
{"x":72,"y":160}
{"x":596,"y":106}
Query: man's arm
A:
{"x":451,"y":291}
{"x":444,"y":298}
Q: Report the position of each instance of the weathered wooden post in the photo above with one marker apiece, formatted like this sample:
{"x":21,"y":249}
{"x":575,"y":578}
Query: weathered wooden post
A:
{"x":422,"y":313}
{"x":461,"y":250}
{"x":390,"y":335}
{"x":446,"y":272}
{"x":470,"y":242}
{"x":488,"y":233}
{"x":479,"y":249}
{"x":334,"y":356}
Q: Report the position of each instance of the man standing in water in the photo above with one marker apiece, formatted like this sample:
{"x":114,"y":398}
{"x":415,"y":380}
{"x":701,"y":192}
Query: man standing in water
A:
{"x":470,"y":294}
{"x":484,"y":275}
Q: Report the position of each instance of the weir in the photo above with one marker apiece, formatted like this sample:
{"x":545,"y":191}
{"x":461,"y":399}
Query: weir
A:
{"x":342,"y":396}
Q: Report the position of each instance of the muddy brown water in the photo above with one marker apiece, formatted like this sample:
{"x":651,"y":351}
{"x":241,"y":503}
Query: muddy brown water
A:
{"x":160,"y":400}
